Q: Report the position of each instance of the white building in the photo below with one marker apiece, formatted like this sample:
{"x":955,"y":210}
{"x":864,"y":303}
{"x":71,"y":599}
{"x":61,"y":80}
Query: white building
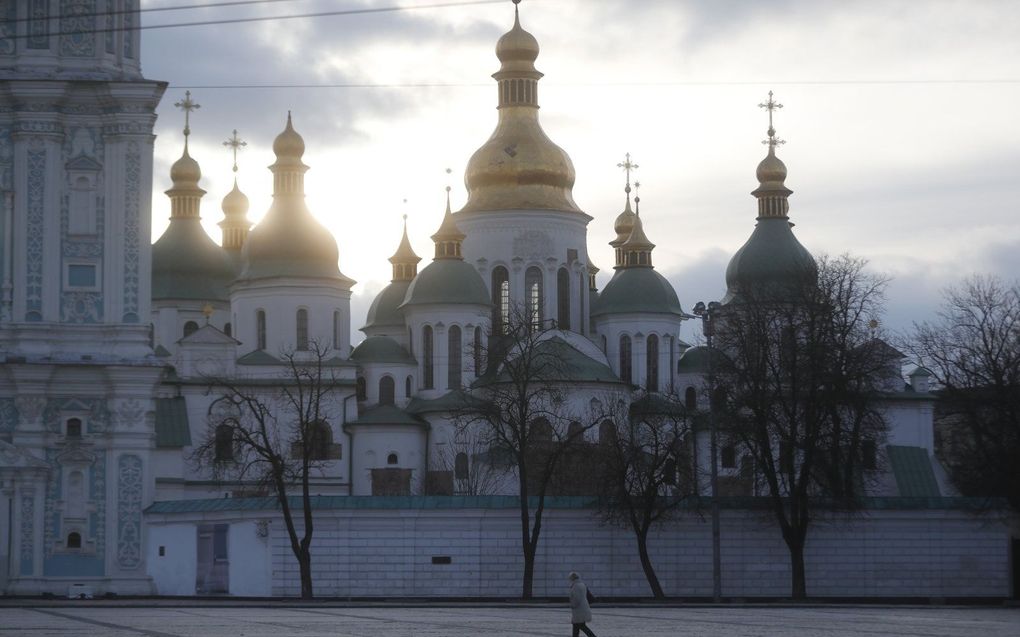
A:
{"x":100,"y":414}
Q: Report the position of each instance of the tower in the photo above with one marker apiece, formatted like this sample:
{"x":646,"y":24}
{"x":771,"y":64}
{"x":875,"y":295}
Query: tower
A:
{"x":77,"y":386}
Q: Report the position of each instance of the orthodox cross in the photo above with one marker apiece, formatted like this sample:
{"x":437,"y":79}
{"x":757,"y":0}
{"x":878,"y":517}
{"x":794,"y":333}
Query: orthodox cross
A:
{"x":771,"y":106}
{"x":187,"y":105}
{"x":628,"y":166}
{"x":235,"y":143}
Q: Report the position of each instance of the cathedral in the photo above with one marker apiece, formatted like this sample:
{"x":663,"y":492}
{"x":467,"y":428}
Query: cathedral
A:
{"x":109,"y":345}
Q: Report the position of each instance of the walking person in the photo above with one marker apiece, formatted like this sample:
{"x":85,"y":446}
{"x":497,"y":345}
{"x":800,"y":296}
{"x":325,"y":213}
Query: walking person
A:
{"x":580,"y":611}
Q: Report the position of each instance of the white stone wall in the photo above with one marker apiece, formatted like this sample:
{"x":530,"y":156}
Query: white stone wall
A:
{"x":376,"y":553}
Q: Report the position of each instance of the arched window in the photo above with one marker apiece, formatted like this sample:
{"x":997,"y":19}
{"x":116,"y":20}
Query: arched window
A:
{"x":460,"y":466}
{"x":336,"y":330}
{"x":228,"y":329}
{"x":478,"y":351}
{"x":392,"y":459}
{"x":426,"y":355}
{"x":386,"y":390}
{"x":320,"y":440}
{"x":575,"y":432}
{"x":260,"y":329}
{"x":455,"y":359}
{"x":541,"y":431}
{"x":74,"y":501}
{"x":533,"y":296}
{"x":869,"y":454}
{"x":190,"y":328}
{"x":691,"y":399}
{"x":407,"y":387}
{"x":652,"y":363}
{"x":563,"y":299}
{"x":671,"y":344}
{"x":302,"y":330}
{"x":74,"y":427}
{"x":728,"y":457}
{"x":625,"y":359}
{"x":607,"y":432}
{"x":361,"y":388}
{"x":224,"y":444}
{"x":500,"y":299}
{"x":74,"y":540}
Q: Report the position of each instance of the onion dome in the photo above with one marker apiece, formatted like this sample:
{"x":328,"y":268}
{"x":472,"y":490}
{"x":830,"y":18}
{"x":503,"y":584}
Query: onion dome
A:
{"x":385,"y":312}
{"x":381,"y":349}
{"x":235,"y":224}
{"x":636,"y":287}
{"x":448,"y":280}
{"x":519,"y":167}
{"x":186,"y":263}
{"x":624,"y":223}
{"x":289,"y":241}
{"x":772,"y":264}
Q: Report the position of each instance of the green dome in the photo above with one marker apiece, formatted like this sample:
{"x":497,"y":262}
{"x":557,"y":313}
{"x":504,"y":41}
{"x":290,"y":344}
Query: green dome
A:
{"x":290,"y":243}
{"x":772,"y":262}
{"x":637,"y":290}
{"x":385,"y":309}
{"x":447,"y":282}
{"x":381,"y":349}
{"x":695,"y":360}
{"x":187,"y":264}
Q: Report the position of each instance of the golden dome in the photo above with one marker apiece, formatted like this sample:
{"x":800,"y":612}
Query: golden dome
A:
{"x":624,"y":223}
{"x":235,"y":204}
{"x":289,"y":144}
{"x":519,"y":167}
{"x":517,"y":45}
{"x":771,"y":170}
{"x":185,"y":171}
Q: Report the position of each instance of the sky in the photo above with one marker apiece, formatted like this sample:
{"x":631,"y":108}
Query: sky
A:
{"x":900,"y":117}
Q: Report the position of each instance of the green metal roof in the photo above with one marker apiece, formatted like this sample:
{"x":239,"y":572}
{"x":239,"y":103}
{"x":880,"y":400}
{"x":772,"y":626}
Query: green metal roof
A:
{"x":322,"y":502}
{"x":381,"y":349}
{"x":387,"y":415}
{"x":637,"y":290}
{"x":695,"y":360}
{"x":187,"y":264}
{"x":385,"y":309}
{"x":451,"y":401}
{"x":259,"y":357}
{"x":571,"y":365}
{"x":172,"y":429}
{"x":914,"y":475}
{"x":447,"y":282}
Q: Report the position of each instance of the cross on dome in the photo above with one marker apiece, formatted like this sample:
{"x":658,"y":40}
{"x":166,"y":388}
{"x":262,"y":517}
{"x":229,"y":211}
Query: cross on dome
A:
{"x":627,"y":165}
{"x":235,"y":143}
{"x":771,"y":106}
{"x":187,"y":105}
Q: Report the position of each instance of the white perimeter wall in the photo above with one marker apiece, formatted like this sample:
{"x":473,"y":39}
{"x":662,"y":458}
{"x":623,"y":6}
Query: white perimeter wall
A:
{"x":369,"y":553}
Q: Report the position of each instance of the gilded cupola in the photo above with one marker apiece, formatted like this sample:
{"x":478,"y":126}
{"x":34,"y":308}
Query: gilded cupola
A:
{"x":235,"y":224}
{"x":404,"y":260}
{"x":624,"y":223}
{"x":519,"y":167}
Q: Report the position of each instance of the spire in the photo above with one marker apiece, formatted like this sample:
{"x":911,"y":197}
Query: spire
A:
{"x":625,"y":220}
{"x":519,"y":167}
{"x":185,"y":194}
{"x":636,"y":251}
{"x":404,"y":260}
{"x":288,"y":170}
{"x":449,"y":237}
{"x":235,"y":224}
{"x":772,"y":193}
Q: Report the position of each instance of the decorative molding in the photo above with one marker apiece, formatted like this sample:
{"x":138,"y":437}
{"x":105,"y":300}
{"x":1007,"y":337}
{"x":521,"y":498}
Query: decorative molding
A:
{"x":77,"y":27}
{"x":129,"y":512}
{"x":38,"y":14}
{"x":8,"y":29}
{"x":34,"y":235}
{"x":27,"y":534}
{"x":132,"y":213}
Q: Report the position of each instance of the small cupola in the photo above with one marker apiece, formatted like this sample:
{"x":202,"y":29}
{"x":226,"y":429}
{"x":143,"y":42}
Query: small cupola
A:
{"x":404,"y":260}
{"x":448,"y":238}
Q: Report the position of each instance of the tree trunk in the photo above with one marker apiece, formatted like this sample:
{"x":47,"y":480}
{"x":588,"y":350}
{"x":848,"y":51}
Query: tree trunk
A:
{"x":799,"y":582}
{"x":305,"y":564}
{"x":529,"y":572}
{"x":646,"y":564}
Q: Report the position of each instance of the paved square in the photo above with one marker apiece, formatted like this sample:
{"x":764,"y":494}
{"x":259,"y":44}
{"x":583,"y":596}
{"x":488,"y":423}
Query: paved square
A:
{"x":293,"y":620}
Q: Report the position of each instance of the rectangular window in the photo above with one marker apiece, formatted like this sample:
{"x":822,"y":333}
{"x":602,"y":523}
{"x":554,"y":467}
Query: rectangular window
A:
{"x":81,"y":276}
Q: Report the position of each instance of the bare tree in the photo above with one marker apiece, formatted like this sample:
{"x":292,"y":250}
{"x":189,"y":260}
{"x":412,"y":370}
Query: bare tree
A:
{"x":275,"y":433}
{"x":646,"y":469}
{"x":973,"y":351}
{"x":803,"y":393}
{"x":525,"y":416}
{"x":469,"y":465}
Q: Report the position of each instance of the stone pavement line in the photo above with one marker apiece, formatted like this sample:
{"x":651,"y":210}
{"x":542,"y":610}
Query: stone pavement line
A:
{"x":419,"y":622}
{"x":96,"y":622}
